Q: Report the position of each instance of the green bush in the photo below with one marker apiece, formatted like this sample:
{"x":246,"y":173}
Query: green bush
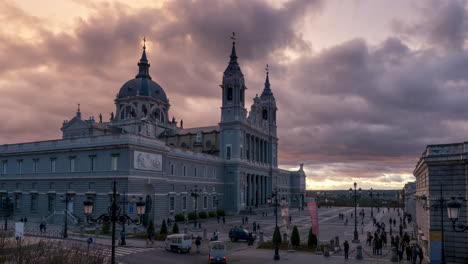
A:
{"x":295,"y":238}
{"x":106,"y":228}
{"x":175,"y":229}
{"x":163,"y":230}
{"x":203,"y":215}
{"x":220,"y":212}
{"x":212,"y":214}
{"x":179,"y":217}
{"x":192,"y":216}
{"x":312,"y":240}
{"x":277,"y":236}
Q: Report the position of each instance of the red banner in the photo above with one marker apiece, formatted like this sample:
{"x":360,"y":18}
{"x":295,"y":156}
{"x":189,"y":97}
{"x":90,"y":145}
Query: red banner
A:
{"x":312,"y":206}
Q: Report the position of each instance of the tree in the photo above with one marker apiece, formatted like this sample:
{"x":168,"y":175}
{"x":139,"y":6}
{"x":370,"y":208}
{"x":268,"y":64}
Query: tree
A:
{"x":295,"y":238}
{"x":175,"y":229}
{"x":312,"y":240}
{"x":277,"y":236}
{"x":163,"y":230}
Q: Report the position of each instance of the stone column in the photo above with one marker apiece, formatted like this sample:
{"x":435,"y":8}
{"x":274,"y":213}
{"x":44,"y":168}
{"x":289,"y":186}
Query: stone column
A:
{"x":261,"y":189}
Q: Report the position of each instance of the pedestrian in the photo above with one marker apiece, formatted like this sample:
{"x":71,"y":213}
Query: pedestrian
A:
{"x":258,"y":227}
{"x":346,"y":222}
{"x":408,"y":252}
{"x":246,"y":219}
{"x":150,"y":237}
{"x":420,"y":254}
{"x":224,"y":220}
{"x":41,"y":226}
{"x":122,"y":238}
{"x":198,"y":243}
{"x":346,"y":249}
{"x":22,"y":220}
{"x":218,"y":218}
{"x":414,"y":255}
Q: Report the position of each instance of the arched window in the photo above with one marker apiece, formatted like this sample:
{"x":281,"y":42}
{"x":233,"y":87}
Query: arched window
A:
{"x":265,"y":114}
{"x":229,"y":94}
{"x":144,"y":110}
{"x":208,"y":144}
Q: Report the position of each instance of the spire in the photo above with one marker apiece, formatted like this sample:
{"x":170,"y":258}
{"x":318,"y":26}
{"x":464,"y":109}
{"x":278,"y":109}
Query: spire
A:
{"x":143,"y":65}
{"x":233,"y":52}
{"x":78,"y":112}
{"x":267,"y":90}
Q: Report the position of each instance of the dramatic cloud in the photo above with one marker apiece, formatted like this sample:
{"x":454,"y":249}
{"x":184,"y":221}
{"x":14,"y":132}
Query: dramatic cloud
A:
{"x":354,"y":111}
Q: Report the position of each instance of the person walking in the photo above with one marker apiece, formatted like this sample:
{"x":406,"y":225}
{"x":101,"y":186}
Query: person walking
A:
{"x":198,"y":243}
{"x":408,"y":252}
{"x":224,"y":220}
{"x":122,"y":238}
{"x":346,"y":249}
{"x":414,"y":255}
{"x":220,"y":217}
{"x":420,"y":254}
{"x":41,"y":226}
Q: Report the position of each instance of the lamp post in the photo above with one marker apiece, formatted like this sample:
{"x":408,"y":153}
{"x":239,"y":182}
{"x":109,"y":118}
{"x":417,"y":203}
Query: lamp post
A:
{"x":453,"y":210}
{"x":195,"y":193}
{"x":371,"y":194}
{"x":113,"y":216}
{"x":7,"y":207}
{"x":274,"y":195}
{"x":355,"y":195}
{"x":440,"y":204}
{"x":66,"y":199}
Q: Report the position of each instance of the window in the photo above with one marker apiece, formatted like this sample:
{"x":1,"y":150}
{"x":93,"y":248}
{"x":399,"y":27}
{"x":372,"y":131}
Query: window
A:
{"x":213,"y":201}
{"x":33,"y":186}
{"x":241,"y":151}
{"x":195,"y":203}
{"x":72,"y":164}
{"x":35,"y":165}
{"x":33,"y":203}
{"x":195,"y":172}
{"x":115,"y":161}
{"x":184,"y":203}
{"x":185,"y":171}
{"x":265,"y":114}
{"x":171,"y":204}
{"x":172,"y":169}
{"x":53,"y":162}
{"x":51,"y":203}
{"x":5,"y":166}
{"x":92,"y":162}
{"x":17,"y":201}
{"x":205,"y":202}
{"x":19,"y":166}
{"x":228,"y":152}
{"x":229,"y":94}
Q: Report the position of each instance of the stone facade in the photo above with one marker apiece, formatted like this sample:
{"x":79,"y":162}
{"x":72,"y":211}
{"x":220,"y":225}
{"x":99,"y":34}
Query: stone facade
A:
{"x":153,"y":157}
{"x":442,"y":168}
{"x":409,"y":192}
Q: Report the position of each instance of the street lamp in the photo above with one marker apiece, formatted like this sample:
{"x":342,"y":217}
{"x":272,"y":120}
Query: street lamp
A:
{"x":195,"y":193}
{"x":371,"y":194}
{"x":7,"y":207}
{"x":357,"y":193}
{"x":66,"y":199}
{"x":274,"y":195}
{"x":113,"y":215}
{"x":453,"y":210}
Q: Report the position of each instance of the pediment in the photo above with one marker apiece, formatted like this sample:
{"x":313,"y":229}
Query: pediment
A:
{"x":75,"y":123}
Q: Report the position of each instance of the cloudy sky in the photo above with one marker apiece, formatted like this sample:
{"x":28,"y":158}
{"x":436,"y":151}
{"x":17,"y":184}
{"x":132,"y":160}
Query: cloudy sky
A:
{"x":361,"y":86}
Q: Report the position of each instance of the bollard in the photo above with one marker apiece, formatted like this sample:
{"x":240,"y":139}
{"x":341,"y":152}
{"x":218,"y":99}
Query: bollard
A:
{"x":204,"y":233}
{"x":185,"y":230}
{"x":261,"y":237}
{"x":337,"y":243}
{"x":96,"y":233}
{"x":359,"y":252}
{"x":81,"y":231}
{"x":394,"y":255}
{"x":326,"y":250}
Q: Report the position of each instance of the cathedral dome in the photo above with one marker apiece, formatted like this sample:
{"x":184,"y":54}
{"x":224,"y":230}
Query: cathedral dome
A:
{"x":142,"y":85}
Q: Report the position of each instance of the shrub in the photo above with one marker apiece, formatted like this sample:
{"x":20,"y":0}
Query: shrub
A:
{"x":106,"y":228}
{"x":212,"y":214}
{"x":295,"y":238}
{"x":312,"y":240}
{"x":277,"y":236}
{"x":202,"y":215}
{"x":220,"y":212}
{"x":192,"y":216}
{"x":163,"y":230}
{"x":175,"y":229}
{"x":179,"y":217}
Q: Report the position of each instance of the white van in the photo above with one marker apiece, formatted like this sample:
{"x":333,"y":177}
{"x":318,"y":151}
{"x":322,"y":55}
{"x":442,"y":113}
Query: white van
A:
{"x":179,"y":243}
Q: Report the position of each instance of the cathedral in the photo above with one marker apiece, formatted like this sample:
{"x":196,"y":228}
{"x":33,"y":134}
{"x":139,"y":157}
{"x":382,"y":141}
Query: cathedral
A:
{"x":232,"y":165}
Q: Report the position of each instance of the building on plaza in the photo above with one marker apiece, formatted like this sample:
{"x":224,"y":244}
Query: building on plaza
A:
{"x":442,"y":168}
{"x":409,"y":191}
{"x":233,"y":164}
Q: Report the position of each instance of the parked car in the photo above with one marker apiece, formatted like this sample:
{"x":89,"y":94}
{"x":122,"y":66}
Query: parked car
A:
{"x":179,"y":243}
{"x":237,"y":233}
{"x":217,"y":252}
